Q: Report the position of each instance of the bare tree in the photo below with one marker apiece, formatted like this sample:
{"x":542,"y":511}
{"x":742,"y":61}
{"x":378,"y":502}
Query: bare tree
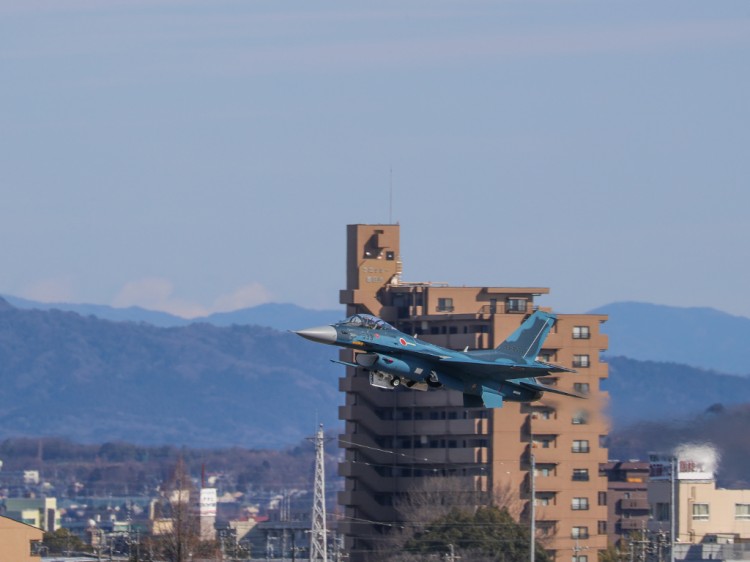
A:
{"x":178,"y":532}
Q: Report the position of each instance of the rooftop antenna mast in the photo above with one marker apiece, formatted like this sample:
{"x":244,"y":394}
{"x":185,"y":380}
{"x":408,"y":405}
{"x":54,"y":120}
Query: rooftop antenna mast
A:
{"x":390,"y":198}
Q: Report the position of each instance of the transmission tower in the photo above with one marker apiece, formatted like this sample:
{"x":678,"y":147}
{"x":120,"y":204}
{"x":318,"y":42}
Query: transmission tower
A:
{"x":318,"y":551}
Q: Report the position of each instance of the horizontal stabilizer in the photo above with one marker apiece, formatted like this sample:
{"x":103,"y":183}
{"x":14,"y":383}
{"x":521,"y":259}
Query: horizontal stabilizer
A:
{"x":544,"y":388}
{"x":552,"y":368}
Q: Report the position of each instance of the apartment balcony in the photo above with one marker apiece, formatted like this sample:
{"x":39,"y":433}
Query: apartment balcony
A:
{"x":634,"y":524}
{"x":438,"y":397}
{"x":366,"y":505}
{"x":367,"y":418}
{"x":445,"y":427}
{"x":550,"y":483}
{"x":635,"y":504}
{"x":375,"y":481}
{"x":375,"y":452}
{"x":544,"y":455}
{"x":418,"y":456}
{"x":549,"y":426}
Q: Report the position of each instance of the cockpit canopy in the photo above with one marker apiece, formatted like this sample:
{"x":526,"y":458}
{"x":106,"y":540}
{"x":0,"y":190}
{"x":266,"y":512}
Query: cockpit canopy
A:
{"x":368,"y":321}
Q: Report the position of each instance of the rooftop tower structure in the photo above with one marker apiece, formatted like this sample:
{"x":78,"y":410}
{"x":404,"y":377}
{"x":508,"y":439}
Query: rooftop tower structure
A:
{"x":401,"y":443}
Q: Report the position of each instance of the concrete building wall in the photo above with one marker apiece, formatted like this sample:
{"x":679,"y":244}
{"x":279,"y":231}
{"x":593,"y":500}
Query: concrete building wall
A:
{"x":17,"y":541}
{"x":628,"y":509}
{"x":39,"y":512}
{"x":703,"y":512}
{"x":398,"y":441}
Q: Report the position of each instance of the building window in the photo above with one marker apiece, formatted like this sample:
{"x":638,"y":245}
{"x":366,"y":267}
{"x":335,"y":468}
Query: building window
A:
{"x":582,"y":388}
{"x":700,"y":512}
{"x":580,"y":558}
{"x":581,"y":446}
{"x":580,"y":418}
{"x":544,"y":442}
{"x":581,"y":333}
{"x":545,"y":498}
{"x":579,"y":504}
{"x":580,"y":474}
{"x":545,"y":470}
{"x":742,"y":511}
{"x":602,"y":498}
{"x":515,"y":305}
{"x":579,"y":533}
{"x":543,"y":414}
{"x":601,"y":527}
{"x":35,"y":548}
{"x":580,"y":361}
{"x":445,"y":305}
{"x":661,"y":511}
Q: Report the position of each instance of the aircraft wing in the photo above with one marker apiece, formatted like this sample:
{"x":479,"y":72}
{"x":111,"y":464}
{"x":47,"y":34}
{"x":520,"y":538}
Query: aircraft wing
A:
{"x":544,"y":388}
{"x":498,"y":371}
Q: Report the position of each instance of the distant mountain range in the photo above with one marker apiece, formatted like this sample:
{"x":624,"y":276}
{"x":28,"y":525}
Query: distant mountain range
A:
{"x":272,"y":315}
{"x":652,"y":390}
{"x":92,"y":380}
{"x":701,"y":337}
{"x":230,"y":379}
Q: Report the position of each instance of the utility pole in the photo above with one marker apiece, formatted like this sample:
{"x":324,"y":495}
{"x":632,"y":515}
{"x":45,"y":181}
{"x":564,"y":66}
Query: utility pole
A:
{"x":451,"y":556}
{"x":532,"y":476}
{"x":532,"y":479}
{"x":577,"y":549}
{"x":673,"y":478}
{"x":318,"y":551}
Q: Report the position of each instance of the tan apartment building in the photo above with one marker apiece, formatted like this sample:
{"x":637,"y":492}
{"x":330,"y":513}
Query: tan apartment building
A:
{"x":703,"y":513}
{"x":19,"y":542}
{"x":399,"y":441}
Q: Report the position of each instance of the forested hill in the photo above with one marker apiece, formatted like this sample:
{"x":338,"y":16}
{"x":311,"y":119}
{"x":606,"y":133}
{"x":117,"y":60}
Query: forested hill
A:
{"x":654,"y":390}
{"x":701,"y":337}
{"x":92,"y":380}
{"x":722,"y":427}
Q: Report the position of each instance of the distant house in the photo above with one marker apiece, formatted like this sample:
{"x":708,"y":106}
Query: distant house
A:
{"x":19,"y":542}
{"x":38,"y":512}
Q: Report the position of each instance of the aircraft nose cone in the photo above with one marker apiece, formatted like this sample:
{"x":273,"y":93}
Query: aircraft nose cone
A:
{"x":321,"y":334}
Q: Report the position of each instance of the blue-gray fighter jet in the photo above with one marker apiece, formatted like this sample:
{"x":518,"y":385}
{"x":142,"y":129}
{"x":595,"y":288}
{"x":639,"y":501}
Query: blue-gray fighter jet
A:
{"x":486,"y":377}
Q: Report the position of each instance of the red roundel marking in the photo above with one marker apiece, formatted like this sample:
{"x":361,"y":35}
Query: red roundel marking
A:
{"x":402,"y":341}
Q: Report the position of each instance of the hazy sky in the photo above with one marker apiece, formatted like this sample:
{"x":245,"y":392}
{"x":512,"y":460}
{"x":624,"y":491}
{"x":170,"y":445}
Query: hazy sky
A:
{"x":201,"y":156}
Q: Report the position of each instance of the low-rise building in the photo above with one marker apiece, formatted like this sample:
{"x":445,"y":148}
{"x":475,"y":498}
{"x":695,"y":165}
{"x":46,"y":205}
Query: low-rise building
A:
{"x":627,"y":499}
{"x":38,"y":512}
{"x":19,"y":542}
{"x":703,"y":513}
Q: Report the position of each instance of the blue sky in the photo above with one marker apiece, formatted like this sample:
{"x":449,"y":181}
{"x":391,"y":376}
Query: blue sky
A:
{"x":203,"y":156}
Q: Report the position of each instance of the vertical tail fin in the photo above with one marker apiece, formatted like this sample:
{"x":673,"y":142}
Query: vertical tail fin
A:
{"x":527,"y":340}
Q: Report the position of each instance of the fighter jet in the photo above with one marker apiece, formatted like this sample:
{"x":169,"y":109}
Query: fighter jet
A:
{"x":486,"y":377}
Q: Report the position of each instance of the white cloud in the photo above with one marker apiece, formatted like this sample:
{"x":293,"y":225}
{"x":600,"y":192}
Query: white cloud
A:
{"x":244,"y":297}
{"x":144,"y":292}
{"x":157,"y":293}
{"x":49,"y":290}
